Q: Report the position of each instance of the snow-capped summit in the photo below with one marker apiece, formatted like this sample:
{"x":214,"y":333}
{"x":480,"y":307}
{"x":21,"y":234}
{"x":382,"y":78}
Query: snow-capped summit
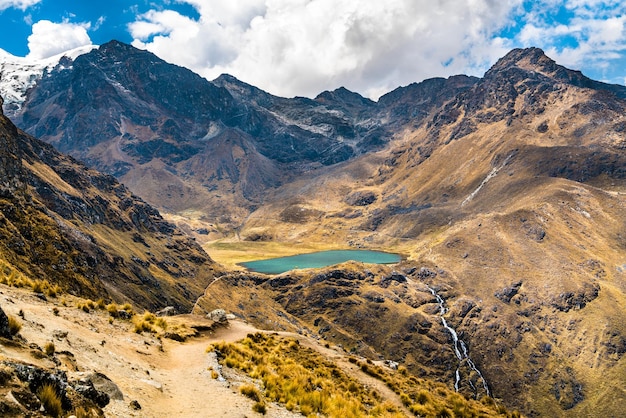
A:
{"x":18,"y":74}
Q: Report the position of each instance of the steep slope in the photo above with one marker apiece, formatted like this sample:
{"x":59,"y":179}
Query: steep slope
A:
{"x":516,"y":190}
{"x":18,"y":75}
{"x":221,"y":147}
{"x":84,"y":231}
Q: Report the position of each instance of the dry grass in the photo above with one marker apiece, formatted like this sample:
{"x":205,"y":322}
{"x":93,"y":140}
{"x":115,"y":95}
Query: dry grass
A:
{"x":50,"y":400}
{"x":14,"y":325}
{"x":49,"y":348}
{"x":149,"y":322}
{"x":301,"y":379}
{"x":14,"y":278}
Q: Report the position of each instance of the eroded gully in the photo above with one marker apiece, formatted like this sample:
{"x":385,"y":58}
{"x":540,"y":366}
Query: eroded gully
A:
{"x":466,"y":365}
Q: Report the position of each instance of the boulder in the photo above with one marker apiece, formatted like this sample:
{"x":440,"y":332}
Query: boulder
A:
{"x":167,"y":311}
{"x":86,"y":388}
{"x":4,"y":319}
{"x":218,"y":315}
{"x":103,"y":384}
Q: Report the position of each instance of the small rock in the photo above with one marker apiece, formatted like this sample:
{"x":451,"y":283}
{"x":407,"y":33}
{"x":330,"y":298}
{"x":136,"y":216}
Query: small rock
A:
{"x":167,"y":311}
{"x":135,"y":405}
{"x":153,"y":383}
{"x":59,"y":334}
{"x":4,"y":325}
{"x":218,"y":315}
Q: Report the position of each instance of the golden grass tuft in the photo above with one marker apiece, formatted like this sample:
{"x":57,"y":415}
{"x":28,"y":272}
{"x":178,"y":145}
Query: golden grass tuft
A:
{"x":302,"y":380}
{"x":251,"y":392}
{"x":116,"y":311}
{"x":149,"y":322}
{"x":49,"y":348}
{"x":15,"y":325}
{"x":10,"y":276}
{"x":50,"y":400}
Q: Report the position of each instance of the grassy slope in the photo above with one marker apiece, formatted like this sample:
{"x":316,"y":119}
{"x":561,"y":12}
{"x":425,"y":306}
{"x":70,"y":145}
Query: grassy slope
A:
{"x":551,"y":217}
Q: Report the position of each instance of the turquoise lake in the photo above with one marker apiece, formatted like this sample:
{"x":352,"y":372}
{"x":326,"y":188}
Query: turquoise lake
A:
{"x":319,"y":259}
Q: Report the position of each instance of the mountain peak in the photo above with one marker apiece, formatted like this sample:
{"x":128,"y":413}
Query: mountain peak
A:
{"x":534,"y":61}
{"x":343,"y":95}
{"x":529,"y":59}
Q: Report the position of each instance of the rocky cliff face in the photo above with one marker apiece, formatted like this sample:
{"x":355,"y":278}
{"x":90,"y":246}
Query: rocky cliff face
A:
{"x":221,"y":146}
{"x":86,"y":232}
{"x":509,"y":189}
{"x":515,"y":190}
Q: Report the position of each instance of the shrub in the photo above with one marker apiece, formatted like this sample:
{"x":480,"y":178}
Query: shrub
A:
{"x":260,"y":408}
{"x":100,"y":304}
{"x":251,"y":392}
{"x":53,"y":290}
{"x":50,"y":400}
{"x":49,"y":348}
{"x":14,"y":325}
{"x":37,"y":286}
{"x":423,"y":397}
{"x":113,"y":310}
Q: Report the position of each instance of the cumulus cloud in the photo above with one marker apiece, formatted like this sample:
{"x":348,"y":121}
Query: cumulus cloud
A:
{"x":592,"y":33}
{"x":18,"y":4}
{"x":302,"y":47}
{"x":49,"y":38}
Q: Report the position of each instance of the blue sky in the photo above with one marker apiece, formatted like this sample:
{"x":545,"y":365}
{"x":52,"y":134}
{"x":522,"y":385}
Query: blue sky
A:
{"x":302,"y":47}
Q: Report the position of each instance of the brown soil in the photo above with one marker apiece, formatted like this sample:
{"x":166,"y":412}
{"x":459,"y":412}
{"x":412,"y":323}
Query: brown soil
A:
{"x":166,"y":377}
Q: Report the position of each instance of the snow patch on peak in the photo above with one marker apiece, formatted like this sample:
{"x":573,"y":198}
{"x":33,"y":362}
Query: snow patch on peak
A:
{"x":18,"y":74}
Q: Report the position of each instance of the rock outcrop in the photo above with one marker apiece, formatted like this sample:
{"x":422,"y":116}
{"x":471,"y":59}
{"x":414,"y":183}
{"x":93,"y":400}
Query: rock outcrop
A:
{"x":64,"y":222}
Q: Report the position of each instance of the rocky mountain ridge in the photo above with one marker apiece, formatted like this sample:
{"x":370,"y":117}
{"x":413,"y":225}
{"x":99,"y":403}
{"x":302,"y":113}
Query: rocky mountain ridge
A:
{"x":85,"y":232}
{"x":507,"y":192}
{"x":224,"y":145}
{"x":512,"y":193}
{"x":18,"y":74}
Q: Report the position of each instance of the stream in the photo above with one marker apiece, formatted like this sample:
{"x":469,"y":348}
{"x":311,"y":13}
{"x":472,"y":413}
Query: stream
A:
{"x":460,"y":349}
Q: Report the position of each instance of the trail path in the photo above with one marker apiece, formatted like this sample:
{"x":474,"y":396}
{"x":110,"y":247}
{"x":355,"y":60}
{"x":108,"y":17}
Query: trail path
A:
{"x":167,"y":378}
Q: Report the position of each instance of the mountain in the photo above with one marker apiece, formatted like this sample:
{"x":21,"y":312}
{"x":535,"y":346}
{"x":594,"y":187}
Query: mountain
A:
{"x":88,"y":234}
{"x":221,"y":147}
{"x":18,"y":75}
{"x":512,"y":194}
{"x":504,"y":194}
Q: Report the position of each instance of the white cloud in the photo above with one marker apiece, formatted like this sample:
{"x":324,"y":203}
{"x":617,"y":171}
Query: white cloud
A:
{"x":301,"y":47}
{"x":48,"y":38}
{"x":593,"y":35}
{"x":18,"y":4}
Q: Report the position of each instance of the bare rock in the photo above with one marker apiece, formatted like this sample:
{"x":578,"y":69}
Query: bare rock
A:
{"x":361,"y":198}
{"x":87,"y":389}
{"x":103,"y":384}
{"x":506,"y":294}
{"x":4,"y":323}
{"x":218,"y":315}
{"x":167,"y":311}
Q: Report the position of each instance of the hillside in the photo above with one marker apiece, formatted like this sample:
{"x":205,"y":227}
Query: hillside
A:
{"x":219,"y":146}
{"x":100,"y":366}
{"x":513,"y":194}
{"x":504,"y":194}
{"x":86,"y":233}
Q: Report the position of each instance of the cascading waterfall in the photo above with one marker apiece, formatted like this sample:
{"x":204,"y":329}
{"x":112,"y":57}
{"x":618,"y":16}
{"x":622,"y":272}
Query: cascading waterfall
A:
{"x":460,"y":349}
